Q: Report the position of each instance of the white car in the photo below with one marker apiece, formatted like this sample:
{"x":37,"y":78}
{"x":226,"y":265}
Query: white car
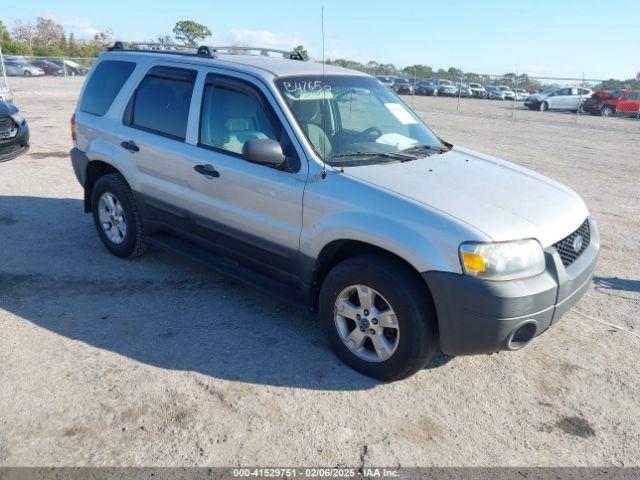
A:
{"x":521,"y":94}
{"x":560,"y":98}
{"x":509,"y":94}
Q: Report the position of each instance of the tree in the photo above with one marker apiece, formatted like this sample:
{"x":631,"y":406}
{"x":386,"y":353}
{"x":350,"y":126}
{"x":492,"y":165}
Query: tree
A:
{"x":49,"y":33}
{"x":103,"y":40}
{"x":188,"y":32}
{"x":24,"y":33}
{"x":302,"y":51}
{"x":420,"y":71}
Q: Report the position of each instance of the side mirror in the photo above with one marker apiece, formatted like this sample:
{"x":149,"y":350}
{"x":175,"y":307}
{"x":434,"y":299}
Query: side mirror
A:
{"x":263,"y":151}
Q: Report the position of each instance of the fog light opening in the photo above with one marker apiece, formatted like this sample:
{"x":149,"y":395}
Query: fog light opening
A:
{"x":521,"y":336}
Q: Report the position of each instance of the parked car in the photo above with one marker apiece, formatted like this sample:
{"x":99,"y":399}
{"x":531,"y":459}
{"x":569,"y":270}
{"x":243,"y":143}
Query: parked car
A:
{"x":447,"y":88}
{"x":403,"y":86}
{"x":477,"y":90}
{"x":69,"y":67}
{"x":396,"y":244}
{"x":48,"y":67}
{"x":387,"y":80}
{"x":532,"y":91}
{"x":427,"y":87}
{"x":464,"y":90}
{"x":613,"y":102}
{"x":558,"y":98}
{"x":495,"y":93}
{"x":521,"y":94}
{"x":6,"y":95}
{"x":14,"y":132}
{"x":22,"y":69}
{"x":509,"y":94}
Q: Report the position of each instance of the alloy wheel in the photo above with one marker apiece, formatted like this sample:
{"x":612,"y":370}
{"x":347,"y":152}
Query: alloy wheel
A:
{"x":366,"y":323}
{"x":112,"y":218}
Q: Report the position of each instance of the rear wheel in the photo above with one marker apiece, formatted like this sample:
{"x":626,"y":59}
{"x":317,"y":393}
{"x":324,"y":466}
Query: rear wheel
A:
{"x":607,"y":111}
{"x":116,"y":217}
{"x":378,"y":317}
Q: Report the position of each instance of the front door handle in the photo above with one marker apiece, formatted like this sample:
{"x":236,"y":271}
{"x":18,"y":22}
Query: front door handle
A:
{"x":207,"y":170}
{"x":131,"y":146}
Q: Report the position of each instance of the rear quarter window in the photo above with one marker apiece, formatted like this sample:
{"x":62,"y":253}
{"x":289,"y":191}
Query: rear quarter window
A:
{"x":104,"y":85}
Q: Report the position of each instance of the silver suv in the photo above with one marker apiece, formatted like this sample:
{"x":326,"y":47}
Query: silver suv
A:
{"x":320,"y":186}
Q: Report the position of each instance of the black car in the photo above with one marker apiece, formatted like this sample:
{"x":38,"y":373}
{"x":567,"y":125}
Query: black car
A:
{"x":14,"y":132}
{"x":49,"y":67}
{"x":403,"y":85}
{"x":427,"y":87}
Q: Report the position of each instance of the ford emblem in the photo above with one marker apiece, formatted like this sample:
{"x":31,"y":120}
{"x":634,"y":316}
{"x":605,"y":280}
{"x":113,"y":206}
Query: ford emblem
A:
{"x":577,"y":243}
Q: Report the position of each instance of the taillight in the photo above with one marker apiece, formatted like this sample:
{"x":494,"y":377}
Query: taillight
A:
{"x":73,"y":128}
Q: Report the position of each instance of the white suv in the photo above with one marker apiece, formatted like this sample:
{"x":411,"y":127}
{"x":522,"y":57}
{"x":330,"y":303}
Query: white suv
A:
{"x":320,"y":186}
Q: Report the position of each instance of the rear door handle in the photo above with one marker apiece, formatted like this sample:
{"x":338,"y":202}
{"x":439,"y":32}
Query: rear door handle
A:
{"x":131,"y":146}
{"x":207,"y":170}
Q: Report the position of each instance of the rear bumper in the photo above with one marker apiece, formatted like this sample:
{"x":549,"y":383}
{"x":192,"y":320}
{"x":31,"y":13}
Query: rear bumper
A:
{"x":478,"y":316}
{"x":16,"y":146}
{"x":79,"y":161}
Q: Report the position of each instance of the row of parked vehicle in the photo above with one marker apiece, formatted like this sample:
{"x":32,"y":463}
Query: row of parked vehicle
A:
{"x":443,"y":87}
{"x":24,"y":67}
{"x":605,"y":102}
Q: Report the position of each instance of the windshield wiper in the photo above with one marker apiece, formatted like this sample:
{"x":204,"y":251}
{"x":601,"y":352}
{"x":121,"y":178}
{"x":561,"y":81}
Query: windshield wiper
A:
{"x":367,"y":154}
{"x":415,"y":148}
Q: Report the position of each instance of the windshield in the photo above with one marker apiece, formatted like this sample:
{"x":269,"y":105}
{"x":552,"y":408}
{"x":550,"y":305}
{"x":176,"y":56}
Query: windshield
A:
{"x":354,"y":120}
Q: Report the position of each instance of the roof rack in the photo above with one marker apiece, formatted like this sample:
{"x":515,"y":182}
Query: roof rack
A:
{"x":291,"y":54}
{"x":201,"y":51}
{"x":168,"y":48}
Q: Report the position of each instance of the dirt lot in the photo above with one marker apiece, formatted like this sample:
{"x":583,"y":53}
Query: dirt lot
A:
{"x":160,"y":362}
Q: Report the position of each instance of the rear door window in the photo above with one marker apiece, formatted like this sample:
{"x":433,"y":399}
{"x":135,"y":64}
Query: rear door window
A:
{"x":104,"y":85}
{"x":161,"y":102}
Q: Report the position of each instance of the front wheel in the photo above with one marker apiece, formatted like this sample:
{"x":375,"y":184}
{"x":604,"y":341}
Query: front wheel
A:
{"x":607,"y":111}
{"x":116,"y":217}
{"x":378,"y":317}
{"x":544,"y":106}
{"x":27,"y":73}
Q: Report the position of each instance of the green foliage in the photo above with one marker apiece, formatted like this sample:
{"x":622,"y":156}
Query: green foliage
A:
{"x":302,"y":51}
{"x":189,"y":32}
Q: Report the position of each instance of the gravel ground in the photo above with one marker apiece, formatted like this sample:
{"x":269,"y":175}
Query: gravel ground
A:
{"x":158,"y":361}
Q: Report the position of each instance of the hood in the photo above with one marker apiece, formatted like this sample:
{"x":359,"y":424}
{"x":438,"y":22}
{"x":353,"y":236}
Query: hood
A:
{"x":502,"y":200}
{"x":603,"y":94}
{"x":7,"y":109}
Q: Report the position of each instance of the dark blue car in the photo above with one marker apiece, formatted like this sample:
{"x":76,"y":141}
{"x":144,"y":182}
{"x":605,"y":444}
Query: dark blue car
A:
{"x":14,"y":132}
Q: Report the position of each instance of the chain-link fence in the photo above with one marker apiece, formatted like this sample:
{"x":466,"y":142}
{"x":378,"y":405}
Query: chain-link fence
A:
{"x":502,"y":95}
{"x":519,"y":92}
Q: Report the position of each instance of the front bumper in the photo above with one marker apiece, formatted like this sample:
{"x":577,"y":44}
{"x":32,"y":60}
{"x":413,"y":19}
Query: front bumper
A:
{"x":16,"y":146}
{"x":478,"y":316}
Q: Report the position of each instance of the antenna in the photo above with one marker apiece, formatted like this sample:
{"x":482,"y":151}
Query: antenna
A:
{"x":324,"y":103}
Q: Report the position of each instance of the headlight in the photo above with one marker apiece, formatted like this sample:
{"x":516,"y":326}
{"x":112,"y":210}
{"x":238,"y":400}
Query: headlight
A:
{"x":17,"y":118}
{"x":502,"y":260}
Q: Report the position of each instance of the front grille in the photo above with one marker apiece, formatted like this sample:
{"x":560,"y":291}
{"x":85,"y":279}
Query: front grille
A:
{"x":566,"y":246}
{"x":7,"y":127}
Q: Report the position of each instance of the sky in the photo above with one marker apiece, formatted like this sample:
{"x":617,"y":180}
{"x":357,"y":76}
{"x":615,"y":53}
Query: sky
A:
{"x":562,"y":38}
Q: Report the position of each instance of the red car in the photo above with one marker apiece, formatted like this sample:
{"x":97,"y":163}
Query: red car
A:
{"x":611,"y":102}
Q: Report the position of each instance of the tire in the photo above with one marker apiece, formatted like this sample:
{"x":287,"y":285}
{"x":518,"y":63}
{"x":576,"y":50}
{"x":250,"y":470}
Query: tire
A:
{"x":607,"y":111}
{"x":391,"y":283}
{"x":27,"y":73}
{"x":543,"y":107}
{"x":132,"y":243}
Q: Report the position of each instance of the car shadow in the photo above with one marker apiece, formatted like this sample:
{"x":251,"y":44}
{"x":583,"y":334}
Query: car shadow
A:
{"x":615,"y":283}
{"x":160,"y":309}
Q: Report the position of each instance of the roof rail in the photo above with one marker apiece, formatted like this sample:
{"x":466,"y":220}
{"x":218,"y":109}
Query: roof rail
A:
{"x":201,"y":51}
{"x":168,"y":48}
{"x":291,"y":54}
